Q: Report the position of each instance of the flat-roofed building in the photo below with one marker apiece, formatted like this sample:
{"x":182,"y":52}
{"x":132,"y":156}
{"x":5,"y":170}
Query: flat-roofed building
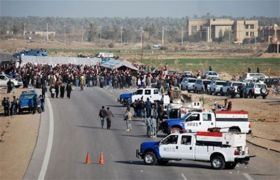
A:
{"x":245,"y":29}
{"x":216,"y":29}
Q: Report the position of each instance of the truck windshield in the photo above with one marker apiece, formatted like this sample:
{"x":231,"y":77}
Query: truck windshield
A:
{"x":221,"y":83}
{"x":140,"y":91}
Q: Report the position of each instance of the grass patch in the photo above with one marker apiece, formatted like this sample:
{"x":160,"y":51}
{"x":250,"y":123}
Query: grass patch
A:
{"x":230,"y":65}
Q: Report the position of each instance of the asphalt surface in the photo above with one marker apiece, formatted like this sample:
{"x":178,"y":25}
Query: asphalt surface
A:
{"x":77,"y":130}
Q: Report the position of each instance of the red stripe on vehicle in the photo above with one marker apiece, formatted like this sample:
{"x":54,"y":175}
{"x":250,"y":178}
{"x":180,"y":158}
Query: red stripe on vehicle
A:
{"x":213,"y":134}
{"x":231,"y":112}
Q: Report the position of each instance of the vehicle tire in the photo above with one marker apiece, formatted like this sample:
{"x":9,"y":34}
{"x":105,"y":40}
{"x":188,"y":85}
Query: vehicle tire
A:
{"x":162,"y":161}
{"x":230,"y":165}
{"x":234,"y":130}
{"x":255,"y":96}
{"x":218,"y":162}
{"x":221,"y":92}
{"x":150,"y":158}
{"x":263,"y":91}
{"x":175,"y":130}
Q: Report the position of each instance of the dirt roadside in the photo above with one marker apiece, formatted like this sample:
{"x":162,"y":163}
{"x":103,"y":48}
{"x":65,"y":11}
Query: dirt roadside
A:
{"x":18,"y":139}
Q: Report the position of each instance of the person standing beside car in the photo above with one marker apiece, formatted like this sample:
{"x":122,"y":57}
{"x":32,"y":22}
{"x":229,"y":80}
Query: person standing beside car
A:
{"x":9,"y":86}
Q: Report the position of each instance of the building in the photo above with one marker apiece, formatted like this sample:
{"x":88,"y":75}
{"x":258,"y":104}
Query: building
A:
{"x":269,"y":34}
{"x":245,"y":30}
{"x":222,"y":29}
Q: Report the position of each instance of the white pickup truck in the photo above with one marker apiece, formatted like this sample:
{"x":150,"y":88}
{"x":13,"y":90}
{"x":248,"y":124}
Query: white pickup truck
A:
{"x":227,"y":121}
{"x":222,"y":150}
{"x":152,"y":93}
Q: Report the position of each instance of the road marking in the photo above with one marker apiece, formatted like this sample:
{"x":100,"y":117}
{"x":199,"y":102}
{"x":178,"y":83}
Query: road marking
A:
{"x":247,"y":176}
{"x":49,"y":145}
{"x":183,"y":176}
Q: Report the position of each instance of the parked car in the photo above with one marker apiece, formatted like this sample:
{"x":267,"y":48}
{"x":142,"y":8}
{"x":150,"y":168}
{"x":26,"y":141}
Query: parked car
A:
{"x":255,"y":89}
{"x":211,"y":75}
{"x":5,"y":78}
{"x":216,"y":86}
{"x":232,"y":88}
{"x":188,"y":74}
{"x":188,"y":84}
{"x":254,"y":77}
{"x":201,"y":85}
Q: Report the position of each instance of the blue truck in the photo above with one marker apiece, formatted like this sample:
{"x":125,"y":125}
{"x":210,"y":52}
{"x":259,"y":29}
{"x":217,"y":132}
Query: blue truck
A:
{"x":28,"y":101}
{"x":125,"y":98}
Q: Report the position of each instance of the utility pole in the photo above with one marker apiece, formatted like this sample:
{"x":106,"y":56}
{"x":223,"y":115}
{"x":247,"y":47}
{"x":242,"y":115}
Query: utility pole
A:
{"x":64,"y":31}
{"x":47,"y":32}
{"x":121,"y":35}
{"x":182,"y":36}
{"x":100,"y":32}
{"x":141,"y":44}
{"x":23,"y":30}
{"x":162,"y":36}
{"x":82,"y":33}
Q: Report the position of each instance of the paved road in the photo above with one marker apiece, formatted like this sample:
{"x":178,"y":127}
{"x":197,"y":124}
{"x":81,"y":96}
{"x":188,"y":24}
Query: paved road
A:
{"x":77,"y":131}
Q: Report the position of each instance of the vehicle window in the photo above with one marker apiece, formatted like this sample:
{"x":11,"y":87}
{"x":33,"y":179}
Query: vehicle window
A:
{"x":186,"y":140}
{"x":172,"y":139}
{"x":155,"y":91}
{"x":221,"y":83}
{"x":193,"y":117}
{"x":139,"y":91}
{"x":2,"y":77}
{"x":192,"y":80}
{"x":148,"y":92}
{"x":206,"y":117}
{"x":236,"y":84}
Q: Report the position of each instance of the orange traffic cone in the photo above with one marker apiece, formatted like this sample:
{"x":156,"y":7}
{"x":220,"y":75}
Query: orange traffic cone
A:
{"x":87,"y":160}
{"x":101,"y":159}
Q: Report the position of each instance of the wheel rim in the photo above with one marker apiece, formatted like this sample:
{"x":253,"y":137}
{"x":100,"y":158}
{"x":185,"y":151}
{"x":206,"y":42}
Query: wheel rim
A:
{"x":149,"y":159}
{"x":216,"y":163}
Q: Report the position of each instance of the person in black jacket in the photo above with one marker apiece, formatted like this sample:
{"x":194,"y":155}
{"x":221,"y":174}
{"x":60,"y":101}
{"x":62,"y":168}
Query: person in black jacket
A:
{"x":62,"y":90}
{"x":68,"y":90}
{"x":102,"y":115}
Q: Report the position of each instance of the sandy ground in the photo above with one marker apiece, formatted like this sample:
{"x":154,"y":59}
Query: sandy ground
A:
{"x":18,"y":135}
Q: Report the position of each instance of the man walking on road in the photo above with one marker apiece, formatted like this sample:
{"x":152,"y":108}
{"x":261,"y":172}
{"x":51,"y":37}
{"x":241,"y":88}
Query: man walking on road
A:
{"x":128,"y":119}
{"x":102,"y":116}
{"x":109,"y":116}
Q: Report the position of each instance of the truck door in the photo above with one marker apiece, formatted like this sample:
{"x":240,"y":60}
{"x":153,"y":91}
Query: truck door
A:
{"x":148,"y":94}
{"x":168,"y":147}
{"x":207,"y":121}
{"x":193,"y":123}
{"x":185,"y":150}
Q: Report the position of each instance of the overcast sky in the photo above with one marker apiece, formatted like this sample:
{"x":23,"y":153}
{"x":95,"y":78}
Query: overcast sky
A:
{"x":136,"y":8}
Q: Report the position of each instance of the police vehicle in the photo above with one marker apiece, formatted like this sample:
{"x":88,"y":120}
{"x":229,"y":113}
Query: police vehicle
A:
{"x":222,"y":150}
{"x":232,"y":121}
